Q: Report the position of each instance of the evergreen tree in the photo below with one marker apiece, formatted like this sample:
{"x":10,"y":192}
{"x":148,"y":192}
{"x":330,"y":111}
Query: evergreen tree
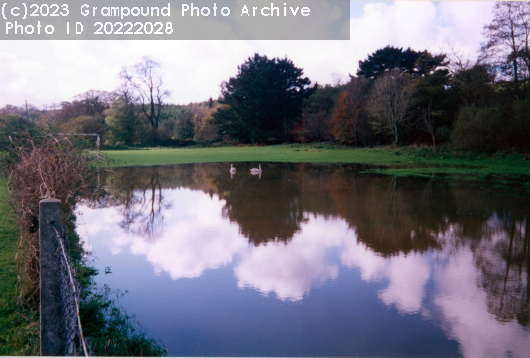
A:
{"x":415,"y":63}
{"x":264,"y":100}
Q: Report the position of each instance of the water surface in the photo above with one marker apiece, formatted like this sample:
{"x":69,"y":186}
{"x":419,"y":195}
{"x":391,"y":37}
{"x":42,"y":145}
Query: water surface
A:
{"x":314,"y":260}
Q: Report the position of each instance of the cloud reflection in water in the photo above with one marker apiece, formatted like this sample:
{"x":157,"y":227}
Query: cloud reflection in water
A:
{"x":195,"y":236}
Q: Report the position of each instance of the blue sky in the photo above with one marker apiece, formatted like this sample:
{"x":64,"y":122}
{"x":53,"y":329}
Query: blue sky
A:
{"x":47,"y":72}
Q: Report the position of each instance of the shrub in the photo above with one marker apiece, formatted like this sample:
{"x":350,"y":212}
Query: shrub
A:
{"x":520,"y":125}
{"x":54,"y":167}
{"x":479,"y":129}
{"x":313,"y":127}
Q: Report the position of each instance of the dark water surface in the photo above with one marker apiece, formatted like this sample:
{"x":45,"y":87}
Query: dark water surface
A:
{"x":314,"y":260}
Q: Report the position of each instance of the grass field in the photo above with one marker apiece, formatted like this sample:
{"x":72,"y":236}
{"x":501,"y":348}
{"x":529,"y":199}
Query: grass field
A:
{"x":395,"y":161}
{"x":19,"y":326}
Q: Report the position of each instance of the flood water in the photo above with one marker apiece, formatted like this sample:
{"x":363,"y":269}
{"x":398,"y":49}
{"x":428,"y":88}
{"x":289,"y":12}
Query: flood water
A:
{"x":314,"y":260}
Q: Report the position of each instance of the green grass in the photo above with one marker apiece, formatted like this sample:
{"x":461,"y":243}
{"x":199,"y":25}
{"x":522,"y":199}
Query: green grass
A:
{"x":111,"y":330}
{"x":19,"y":326}
{"x":394,"y":161}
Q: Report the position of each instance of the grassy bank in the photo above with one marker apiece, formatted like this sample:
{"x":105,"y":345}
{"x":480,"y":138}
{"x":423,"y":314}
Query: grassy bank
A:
{"x":396,"y":161}
{"x":111,"y":330}
{"x":19,"y":326}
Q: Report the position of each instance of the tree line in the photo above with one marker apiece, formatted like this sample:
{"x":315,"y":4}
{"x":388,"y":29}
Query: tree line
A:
{"x":397,"y":96}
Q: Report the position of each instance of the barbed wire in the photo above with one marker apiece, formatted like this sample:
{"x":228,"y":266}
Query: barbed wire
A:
{"x":69,"y":296}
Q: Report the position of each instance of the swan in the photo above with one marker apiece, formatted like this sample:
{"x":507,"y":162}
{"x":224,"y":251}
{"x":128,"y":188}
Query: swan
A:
{"x":256,"y":171}
{"x":232,"y":169}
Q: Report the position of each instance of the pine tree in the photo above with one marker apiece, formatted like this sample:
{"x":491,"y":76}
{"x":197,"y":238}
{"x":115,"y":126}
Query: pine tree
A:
{"x":264,"y":100}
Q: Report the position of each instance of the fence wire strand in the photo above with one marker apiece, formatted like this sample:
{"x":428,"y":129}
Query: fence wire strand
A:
{"x":69,"y":296}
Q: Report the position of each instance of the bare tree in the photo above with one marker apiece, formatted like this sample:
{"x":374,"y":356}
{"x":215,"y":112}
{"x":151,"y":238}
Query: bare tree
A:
{"x":146,"y":79}
{"x":524,"y":16}
{"x":469,"y":80}
{"x":427,"y":118}
{"x":507,"y":40}
{"x":94,"y":103}
{"x":390,"y":102}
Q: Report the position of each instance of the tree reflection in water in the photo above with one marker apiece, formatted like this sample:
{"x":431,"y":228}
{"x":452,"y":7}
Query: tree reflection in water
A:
{"x":503,"y":259}
{"x":394,"y":218}
{"x":139,"y":200}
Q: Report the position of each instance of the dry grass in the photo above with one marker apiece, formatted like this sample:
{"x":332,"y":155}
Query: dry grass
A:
{"x":54,"y":168}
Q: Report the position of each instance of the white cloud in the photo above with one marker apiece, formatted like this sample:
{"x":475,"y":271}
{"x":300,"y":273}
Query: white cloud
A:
{"x":466,"y":317}
{"x":290,"y":271}
{"x":45,"y":72}
{"x":298,"y":26}
{"x":407,"y":277}
{"x":194,"y":238}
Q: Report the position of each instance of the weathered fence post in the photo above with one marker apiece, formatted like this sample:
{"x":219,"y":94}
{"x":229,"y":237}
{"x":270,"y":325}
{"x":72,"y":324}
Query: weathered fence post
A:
{"x":52,"y":334}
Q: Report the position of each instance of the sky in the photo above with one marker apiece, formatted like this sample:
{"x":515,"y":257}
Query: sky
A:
{"x":49,"y":72}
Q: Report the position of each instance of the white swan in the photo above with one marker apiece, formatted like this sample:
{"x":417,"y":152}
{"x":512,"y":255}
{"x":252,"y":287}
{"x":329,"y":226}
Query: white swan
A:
{"x":232,"y":170}
{"x":255,"y":170}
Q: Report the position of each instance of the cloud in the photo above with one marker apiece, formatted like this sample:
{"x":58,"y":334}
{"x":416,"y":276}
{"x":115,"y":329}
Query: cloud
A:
{"x":317,"y":25}
{"x":406,"y":275}
{"x":401,"y":24}
{"x":18,"y":76}
{"x":194,"y":238}
{"x":291,"y":270}
{"x":45,"y":72}
{"x":466,"y":317}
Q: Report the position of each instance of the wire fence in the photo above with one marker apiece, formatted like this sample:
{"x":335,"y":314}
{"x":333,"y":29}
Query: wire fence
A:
{"x":71,"y":330}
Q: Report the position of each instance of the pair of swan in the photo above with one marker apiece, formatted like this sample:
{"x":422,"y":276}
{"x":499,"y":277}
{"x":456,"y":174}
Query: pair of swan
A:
{"x":252,"y":171}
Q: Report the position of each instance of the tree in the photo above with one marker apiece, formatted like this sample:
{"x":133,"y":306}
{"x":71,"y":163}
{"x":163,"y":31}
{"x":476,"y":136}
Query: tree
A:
{"x":122,"y":117}
{"x":433,"y":102}
{"x":184,"y":128}
{"x":13,"y":125}
{"x":391,"y":100}
{"x":146,"y":80}
{"x":472,"y":85}
{"x":314,"y":125}
{"x":415,"y":63}
{"x":84,"y":125}
{"x":94,"y":103}
{"x":350,"y":118}
{"x":524,"y":15}
{"x":91,"y":103}
{"x":264,"y":100}
{"x":507,"y":48}
{"x":323,"y":99}
{"x":205,"y":129}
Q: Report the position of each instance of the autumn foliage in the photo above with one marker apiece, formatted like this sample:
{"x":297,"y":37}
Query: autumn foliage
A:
{"x":349,"y":122}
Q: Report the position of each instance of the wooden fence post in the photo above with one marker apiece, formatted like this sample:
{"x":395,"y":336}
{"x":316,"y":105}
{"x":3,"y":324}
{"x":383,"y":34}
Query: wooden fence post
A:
{"x":52,"y":334}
